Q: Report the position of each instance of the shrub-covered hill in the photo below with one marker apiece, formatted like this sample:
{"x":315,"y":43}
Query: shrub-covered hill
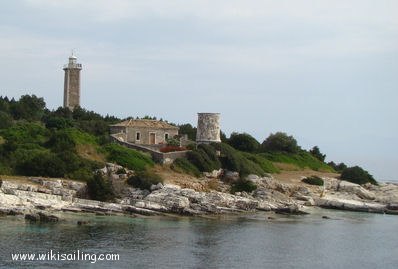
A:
{"x":35,"y":141}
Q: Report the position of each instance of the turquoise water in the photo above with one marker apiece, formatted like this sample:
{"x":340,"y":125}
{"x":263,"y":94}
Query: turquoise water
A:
{"x":348,"y":240}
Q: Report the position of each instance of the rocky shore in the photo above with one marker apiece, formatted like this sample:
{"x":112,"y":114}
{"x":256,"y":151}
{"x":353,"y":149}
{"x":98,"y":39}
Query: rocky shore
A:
{"x":41,"y":199}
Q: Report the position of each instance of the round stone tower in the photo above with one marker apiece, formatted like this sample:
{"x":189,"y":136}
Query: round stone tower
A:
{"x":208,"y":129}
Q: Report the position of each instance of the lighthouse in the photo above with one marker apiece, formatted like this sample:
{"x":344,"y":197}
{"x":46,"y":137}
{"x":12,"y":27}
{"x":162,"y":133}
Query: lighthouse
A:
{"x":72,"y":83}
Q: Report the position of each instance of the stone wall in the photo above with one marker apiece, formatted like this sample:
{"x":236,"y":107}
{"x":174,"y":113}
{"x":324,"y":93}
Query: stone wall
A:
{"x":157,"y":156}
{"x":145,"y":135}
{"x":130,"y":134}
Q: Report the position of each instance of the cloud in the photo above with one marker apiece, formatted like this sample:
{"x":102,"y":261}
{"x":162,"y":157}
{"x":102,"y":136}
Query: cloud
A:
{"x":323,"y":71}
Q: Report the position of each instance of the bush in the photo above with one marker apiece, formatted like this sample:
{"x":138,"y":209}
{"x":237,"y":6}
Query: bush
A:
{"x":313,"y":180}
{"x":280,"y":142}
{"x":211,"y":154}
{"x":173,"y":142}
{"x":266,"y":165}
{"x":357,"y":175}
{"x":204,"y":158}
{"x":244,"y":142}
{"x":302,"y":159}
{"x":243,"y":185}
{"x":25,"y":132}
{"x":6,"y":120}
{"x":234,"y":160}
{"x":182,"y":165}
{"x":100,"y":188}
{"x":44,"y":164}
{"x":61,"y":141}
{"x":338,"y":167}
{"x":128,"y":158}
{"x":121,"y":171}
{"x":57,"y":123}
{"x":29,"y":107}
{"x":189,"y":130}
{"x":144,"y":180}
{"x":317,"y":154}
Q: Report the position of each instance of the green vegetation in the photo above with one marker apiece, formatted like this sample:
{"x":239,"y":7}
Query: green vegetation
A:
{"x":189,"y":130}
{"x":243,"y":185}
{"x":280,"y":142}
{"x":317,"y":153}
{"x":338,"y":167}
{"x":302,"y":160}
{"x":173,"y":142}
{"x":100,"y":188}
{"x":38,"y":142}
{"x":266,"y":165}
{"x":207,"y":158}
{"x":235,"y":160}
{"x":126,"y":157}
{"x":357,"y":175}
{"x":144,"y":180}
{"x":313,"y":180}
{"x":182,"y":165}
{"x":204,"y":158}
{"x":243,"y":142}
{"x":35,"y":141}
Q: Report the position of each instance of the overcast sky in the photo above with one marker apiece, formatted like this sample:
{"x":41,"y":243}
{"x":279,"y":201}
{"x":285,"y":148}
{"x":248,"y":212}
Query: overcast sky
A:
{"x":323,"y":71}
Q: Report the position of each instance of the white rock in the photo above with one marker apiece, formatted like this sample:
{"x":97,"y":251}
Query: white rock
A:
{"x":230,"y":176}
{"x":253,"y":178}
{"x":356,"y":189}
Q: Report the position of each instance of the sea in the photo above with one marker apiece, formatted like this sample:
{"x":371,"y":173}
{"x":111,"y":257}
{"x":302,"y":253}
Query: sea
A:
{"x":323,"y":239}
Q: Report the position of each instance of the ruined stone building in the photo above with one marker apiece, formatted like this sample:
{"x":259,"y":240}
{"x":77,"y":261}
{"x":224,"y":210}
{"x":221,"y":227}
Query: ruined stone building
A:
{"x":208,"y":129}
{"x":72,"y":83}
{"x":144,"y":132}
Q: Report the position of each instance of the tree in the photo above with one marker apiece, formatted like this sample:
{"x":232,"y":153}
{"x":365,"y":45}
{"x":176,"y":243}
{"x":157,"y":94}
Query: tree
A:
{"x":317,"y":153}
{"x":357,"y":175}
{"x":338,"y":167}
{"x":189,"y":130}
{"x":55,"y":122}
{"x":280,"y":142}
{"x":4,"y":104}
{"x":100,"y":188}
{"x":61,"y":141}
{"x":44,"y":164}
{"x":5,"y":120}
{"x":243,"y":142}
{"x":223,"y":137}
{"x":28,"y":108}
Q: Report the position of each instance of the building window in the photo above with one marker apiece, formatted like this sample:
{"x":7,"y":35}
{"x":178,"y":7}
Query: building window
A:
{"x":137,"y":136}
{"x":166,"y":136}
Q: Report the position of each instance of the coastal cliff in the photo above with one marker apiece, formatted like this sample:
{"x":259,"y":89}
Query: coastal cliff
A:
{"x":33,"y":196}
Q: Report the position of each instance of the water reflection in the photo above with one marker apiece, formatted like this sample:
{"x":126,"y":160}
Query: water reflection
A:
{"x":348,"y":240}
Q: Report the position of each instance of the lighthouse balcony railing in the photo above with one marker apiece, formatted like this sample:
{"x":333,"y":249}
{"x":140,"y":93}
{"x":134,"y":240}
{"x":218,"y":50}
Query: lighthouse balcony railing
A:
{"x":78,"y":66}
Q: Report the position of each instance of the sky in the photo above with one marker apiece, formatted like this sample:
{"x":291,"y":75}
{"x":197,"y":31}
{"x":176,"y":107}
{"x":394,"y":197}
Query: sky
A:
{"x":324,"y":71}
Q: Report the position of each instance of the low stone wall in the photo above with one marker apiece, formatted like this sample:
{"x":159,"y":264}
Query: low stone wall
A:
{"x":157,"y":156}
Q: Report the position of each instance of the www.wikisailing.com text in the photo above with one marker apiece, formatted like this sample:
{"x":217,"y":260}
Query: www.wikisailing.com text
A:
{"x":60,"y":256}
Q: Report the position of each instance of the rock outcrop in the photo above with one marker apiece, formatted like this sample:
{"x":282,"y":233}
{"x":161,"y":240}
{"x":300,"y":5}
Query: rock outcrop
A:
{"x":40,"y":199}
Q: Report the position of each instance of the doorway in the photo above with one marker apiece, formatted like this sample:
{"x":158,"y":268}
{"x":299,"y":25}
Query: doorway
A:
{"x":152,"y":138}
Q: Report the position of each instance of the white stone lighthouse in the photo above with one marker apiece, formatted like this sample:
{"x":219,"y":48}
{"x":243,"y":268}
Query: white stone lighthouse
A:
{"x":72,"y":83}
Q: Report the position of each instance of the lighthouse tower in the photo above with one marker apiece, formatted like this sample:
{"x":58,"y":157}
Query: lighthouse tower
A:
{"x":72,"y":83}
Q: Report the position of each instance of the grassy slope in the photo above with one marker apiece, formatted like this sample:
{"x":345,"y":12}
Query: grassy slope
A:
{"x":299,"y":161}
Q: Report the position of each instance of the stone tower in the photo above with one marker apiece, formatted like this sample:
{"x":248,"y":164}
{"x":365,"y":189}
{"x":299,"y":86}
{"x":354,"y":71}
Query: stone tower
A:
{"x":208,"y":129}
{"x":72,"y":83}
